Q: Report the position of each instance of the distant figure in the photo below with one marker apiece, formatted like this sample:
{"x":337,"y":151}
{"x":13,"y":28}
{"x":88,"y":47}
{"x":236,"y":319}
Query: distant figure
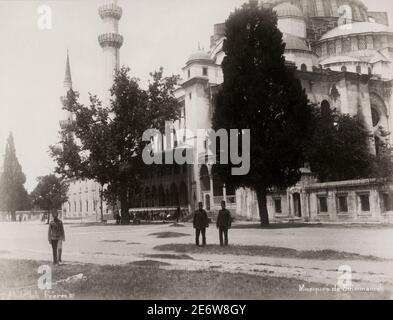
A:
{"x":224,"y":221}
{"x":117,"y":216}
{"x":55,"y":237}
{"x":201,"y":222}
{"x":178,"y":214}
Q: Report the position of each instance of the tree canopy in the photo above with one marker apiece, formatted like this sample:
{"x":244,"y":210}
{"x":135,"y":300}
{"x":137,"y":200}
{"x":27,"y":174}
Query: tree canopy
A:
{"x":13,"y":195}
{"x":50,"y":193}
{"x":341,"y":149}
{"x":104,"y":143}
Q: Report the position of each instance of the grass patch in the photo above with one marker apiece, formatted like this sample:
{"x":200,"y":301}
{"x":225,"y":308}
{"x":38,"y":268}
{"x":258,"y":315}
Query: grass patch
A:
{"x":288,"y":225}
{"x":266,"y":251}
{"x":133,"y":243}
{"x":148,"y":263}
{"x":168,"y":234}
{"x":98,"y":253}
{"x":169,"y":256}
{"x":136,"y":281}
{"x":112,"y":241}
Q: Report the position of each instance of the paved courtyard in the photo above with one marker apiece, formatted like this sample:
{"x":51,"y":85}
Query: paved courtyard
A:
{"x":372,"y":264}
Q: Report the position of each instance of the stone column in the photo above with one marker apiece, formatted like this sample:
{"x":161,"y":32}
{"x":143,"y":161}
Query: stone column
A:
{"x":211,"y":192}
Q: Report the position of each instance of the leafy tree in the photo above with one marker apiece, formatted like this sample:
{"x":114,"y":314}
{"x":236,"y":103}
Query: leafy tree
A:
{"x":50,"y":193}
{"x":105,"y":142}
{"x":260,"y":93}
{"x":13,"y":195}
{"x":383,"y":165}
{"x":338,"y":149}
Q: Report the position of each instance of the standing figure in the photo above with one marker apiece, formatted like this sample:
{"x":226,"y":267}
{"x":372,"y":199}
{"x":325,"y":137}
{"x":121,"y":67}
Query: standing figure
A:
{"x":201,"y":222}
{"x":55,"y":237}
{"x":224,"y":221}
{"x":177,"y":214}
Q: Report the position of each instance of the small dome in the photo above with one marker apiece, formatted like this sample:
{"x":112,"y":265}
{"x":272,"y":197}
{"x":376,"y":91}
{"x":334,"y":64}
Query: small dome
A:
{"x":199,"y":56}
{"x":287,"y":9}
{"x":294,"y":43}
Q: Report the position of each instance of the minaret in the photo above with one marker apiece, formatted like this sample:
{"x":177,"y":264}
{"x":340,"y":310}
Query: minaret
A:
{"x":110,"y":41}
{"x":67,"y":84}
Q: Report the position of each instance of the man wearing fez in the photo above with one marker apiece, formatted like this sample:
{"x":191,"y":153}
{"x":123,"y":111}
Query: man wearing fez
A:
{"x":224,"y":221}
{"x":201,"y":222}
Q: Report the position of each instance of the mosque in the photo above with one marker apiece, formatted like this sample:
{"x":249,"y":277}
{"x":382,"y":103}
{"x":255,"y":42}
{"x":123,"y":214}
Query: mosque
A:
{"x":341,"y":53}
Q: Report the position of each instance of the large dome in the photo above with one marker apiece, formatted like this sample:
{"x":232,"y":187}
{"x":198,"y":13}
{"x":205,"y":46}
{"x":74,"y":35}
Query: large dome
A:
{"x":287,"y":9}
{"x":320,"y":8}
{"x":357,"y":28}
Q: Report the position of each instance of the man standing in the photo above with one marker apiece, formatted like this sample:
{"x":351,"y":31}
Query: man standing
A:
{"x":55,"y":236}
{"x":224,"y":221}
{"x":201,"y":222}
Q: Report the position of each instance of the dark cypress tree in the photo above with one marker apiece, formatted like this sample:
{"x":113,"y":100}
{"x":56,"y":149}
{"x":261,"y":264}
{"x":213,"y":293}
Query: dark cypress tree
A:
{"x":261,"y":93}
{"x":13,"y":195}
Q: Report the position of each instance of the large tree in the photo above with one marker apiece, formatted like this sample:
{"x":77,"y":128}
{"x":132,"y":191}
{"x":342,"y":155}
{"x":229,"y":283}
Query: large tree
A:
{"x":340,"y":149}
{"x":261,"y":93}
{"x":50,"y":193}
{"x":13,"y":195}
{"x":104,"y":143}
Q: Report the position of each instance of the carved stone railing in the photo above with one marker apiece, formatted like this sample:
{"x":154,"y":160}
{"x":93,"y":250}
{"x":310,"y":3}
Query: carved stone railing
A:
{"x":111,"y":40}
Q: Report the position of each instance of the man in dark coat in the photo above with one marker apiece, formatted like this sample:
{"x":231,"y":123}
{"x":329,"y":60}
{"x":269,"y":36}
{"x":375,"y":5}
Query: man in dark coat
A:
{"x":201,"y":222}
{"x":55,"y":237}
{"x":224,"y":221}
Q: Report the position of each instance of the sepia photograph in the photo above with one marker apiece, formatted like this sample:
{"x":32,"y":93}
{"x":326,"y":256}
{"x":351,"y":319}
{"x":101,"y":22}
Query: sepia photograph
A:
{"x":214,"y":151}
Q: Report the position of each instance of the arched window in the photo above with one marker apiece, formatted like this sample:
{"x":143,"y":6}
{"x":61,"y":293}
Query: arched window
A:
{"x":375,"y":116}
{"x":344,"y":69}
{"x":370,"y":71}
{"x":204,"y":178}
{"x":303,"y":67}
{"x":358,"y":69}
{"x":325,"y":107}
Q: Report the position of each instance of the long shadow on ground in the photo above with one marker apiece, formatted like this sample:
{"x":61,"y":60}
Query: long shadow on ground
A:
{"x":267,"y":251}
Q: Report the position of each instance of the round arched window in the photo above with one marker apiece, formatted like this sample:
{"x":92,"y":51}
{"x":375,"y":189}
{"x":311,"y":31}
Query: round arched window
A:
{"x":303,"y":67}
{"x":344,"y":69}
{"x":325,"y":107}
{"x":375,"y":116}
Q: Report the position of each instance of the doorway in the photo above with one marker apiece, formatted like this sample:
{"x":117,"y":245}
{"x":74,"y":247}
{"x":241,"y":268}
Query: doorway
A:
{"x":206,"y":201}
{"x":297,"y":206}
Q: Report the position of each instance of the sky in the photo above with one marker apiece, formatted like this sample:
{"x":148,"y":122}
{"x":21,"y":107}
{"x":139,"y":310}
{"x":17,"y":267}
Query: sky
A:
{"x":32,"y":60}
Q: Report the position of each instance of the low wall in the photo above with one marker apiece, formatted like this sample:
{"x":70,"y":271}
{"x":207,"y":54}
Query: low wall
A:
{"x":367,"y":200}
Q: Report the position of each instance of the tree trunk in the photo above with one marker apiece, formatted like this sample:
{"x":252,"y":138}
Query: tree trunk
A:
{"x":124,"y":204}
{"x":102,"y":209}
{"x":13,"y":215}
{"x":262,"y":206}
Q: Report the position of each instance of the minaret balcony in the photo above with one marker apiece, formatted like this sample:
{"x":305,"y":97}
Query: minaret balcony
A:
{"x":111,"y":40}
{"x":65,"y":124}
{"x":110,"y":11}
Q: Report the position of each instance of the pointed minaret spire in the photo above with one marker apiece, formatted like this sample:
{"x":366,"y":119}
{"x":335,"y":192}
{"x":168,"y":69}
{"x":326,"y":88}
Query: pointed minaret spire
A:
{"x":67,"y":78}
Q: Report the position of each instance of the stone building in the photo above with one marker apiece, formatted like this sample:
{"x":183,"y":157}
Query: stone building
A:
{"x":342,"y":55}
